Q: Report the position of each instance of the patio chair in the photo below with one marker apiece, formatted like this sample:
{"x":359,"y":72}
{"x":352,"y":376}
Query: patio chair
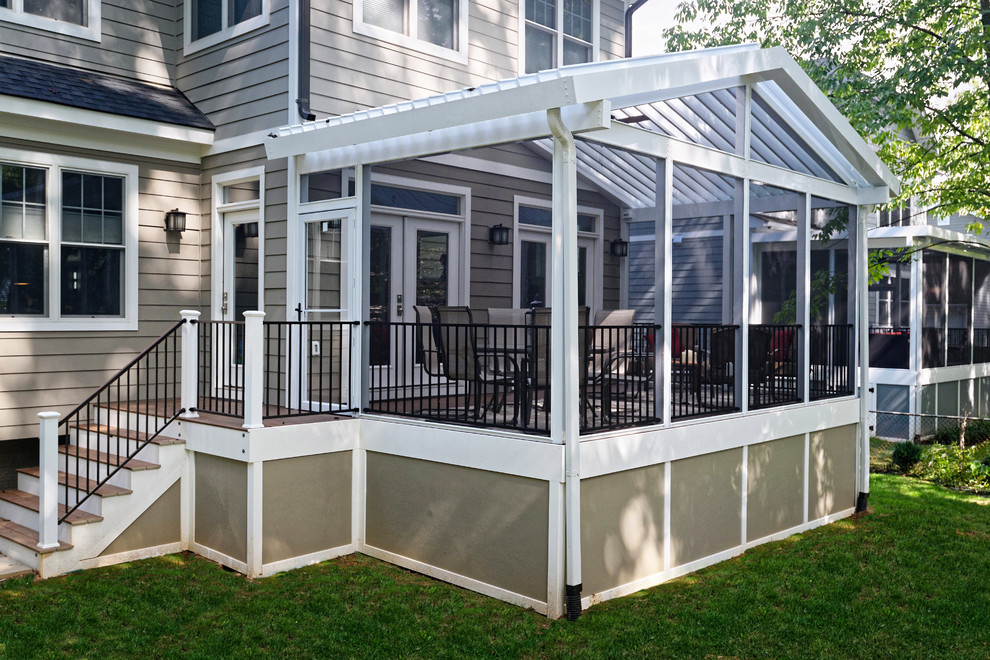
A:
{"x":538,"y":356}
{"x":459,"y":355}
{"x":614,"y":370}
{"x":717,"y":367}
{"x":428,"y":353}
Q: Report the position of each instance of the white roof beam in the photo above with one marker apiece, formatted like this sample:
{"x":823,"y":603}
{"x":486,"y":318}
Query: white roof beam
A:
{"x":637,"y":139}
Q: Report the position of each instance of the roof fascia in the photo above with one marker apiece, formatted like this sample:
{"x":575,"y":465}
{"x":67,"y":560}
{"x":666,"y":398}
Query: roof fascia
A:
{"x":33,"y":109}
{"x":579,"y":119}
{"x":623,"y":136}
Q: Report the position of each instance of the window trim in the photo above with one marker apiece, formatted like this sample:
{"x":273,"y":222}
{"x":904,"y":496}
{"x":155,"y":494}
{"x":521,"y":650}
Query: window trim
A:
{"x":227,"y":32}
{"x":53,"y":166}
{"x":408,"y":41}
{"x":92,"y":31}
{"x":217,"y":247}
{"x":558,"y":32}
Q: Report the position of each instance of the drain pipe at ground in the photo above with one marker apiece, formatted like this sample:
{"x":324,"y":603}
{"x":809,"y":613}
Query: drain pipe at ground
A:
{"x":565,"y":207}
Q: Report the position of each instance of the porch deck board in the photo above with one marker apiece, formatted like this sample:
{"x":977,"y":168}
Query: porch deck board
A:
{"x":232,"y":421}
{"x":27,"y":537}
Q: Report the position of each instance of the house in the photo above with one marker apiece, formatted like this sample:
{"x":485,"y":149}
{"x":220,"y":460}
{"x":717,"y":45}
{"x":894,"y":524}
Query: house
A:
{"x":929,"y":324}
{"x":340,"y":308}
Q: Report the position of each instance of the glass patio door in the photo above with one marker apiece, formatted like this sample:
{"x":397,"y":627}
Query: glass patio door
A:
{"x":535,"y":270}
{"x":414,"y":261}
{"x":238,"y":293}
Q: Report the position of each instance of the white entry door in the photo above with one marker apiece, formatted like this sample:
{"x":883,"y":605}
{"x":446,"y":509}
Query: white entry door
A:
{"x":414,"y":261}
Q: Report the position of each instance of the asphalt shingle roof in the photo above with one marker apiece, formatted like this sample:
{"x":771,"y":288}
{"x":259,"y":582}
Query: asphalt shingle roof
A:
{"x":96,"y":91}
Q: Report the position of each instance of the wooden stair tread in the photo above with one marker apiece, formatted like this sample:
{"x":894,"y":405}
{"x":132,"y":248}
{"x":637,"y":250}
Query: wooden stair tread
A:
{"x":80,"y":483}
{"x":139,"y":436}
{"x":33,"y":503}
{"x":27,"y":537}
{"x":110,"y":459}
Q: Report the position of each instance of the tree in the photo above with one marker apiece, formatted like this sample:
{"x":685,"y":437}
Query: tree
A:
{"x":912,"y":76}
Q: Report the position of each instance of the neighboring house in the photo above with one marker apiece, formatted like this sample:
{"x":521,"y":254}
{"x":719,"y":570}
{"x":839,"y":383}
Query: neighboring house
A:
{"x":929,"y":324}
{"x":507,"y":451}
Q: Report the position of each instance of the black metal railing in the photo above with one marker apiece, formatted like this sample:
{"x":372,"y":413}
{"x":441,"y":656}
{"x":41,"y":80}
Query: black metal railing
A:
{"x":981,"y":345}
{"x":958,"y":349}
{"x":831,"y":361}
{"x":498,"y":376}
{"x":773,"y":366}
{"x":890,"y":347}
{"x":703,"y":380}
{"x":307,"y":369}
{"x":221,"y":368}
{"x":105,"y":439}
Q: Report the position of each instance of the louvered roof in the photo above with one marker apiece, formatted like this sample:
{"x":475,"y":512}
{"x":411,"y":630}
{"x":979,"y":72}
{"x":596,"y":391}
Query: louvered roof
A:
{"x":691,"y":97}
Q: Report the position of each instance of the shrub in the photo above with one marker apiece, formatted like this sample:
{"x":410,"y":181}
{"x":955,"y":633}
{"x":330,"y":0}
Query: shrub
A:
{"x":951,"y":466}
{"x":977,"y":431}
{"x":905,"y":455}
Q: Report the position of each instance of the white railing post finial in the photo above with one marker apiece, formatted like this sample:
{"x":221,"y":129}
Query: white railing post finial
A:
{"x":48,"y":488}
{"x":254,"y":359}
{"x":189,"y":392}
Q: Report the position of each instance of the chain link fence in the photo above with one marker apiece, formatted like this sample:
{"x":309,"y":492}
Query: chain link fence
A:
{"x":925,"y":427}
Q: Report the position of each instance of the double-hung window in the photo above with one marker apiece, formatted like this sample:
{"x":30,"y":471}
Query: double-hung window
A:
{"x":559,"y":32}
{"x":79,"y":18}
{"x":437,"y":27}
{"x":209,"y":22}
{"x":68,"y":254}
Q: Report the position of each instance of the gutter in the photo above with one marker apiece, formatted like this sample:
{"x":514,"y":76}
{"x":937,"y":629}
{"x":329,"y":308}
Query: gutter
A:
{"x":302,"y":64}
{"x":629,"y":16}
{"x":564,"y":315}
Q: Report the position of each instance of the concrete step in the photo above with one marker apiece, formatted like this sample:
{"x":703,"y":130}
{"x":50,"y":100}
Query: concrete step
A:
{"x":11,"y":569}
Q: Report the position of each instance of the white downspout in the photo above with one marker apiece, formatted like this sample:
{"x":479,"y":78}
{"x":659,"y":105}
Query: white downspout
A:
{"x":565,"y":393}
{"x":863,"y":326}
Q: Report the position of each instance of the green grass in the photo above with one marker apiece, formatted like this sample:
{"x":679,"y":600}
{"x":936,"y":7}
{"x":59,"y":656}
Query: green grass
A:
{"x":910,"y":580}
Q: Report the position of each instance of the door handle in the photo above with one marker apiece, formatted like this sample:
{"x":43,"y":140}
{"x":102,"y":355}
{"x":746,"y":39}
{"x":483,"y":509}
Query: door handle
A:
{"x":223,"y":307}
{"x":398,"y":305}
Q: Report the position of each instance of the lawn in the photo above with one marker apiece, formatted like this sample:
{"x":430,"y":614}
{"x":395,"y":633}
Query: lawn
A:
{"x":912,"y":579}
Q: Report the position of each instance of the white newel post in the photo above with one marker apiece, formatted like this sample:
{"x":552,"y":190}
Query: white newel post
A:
{"x":189,"y":392}
{"x":48,"y":488}
{"x":254,"y":358}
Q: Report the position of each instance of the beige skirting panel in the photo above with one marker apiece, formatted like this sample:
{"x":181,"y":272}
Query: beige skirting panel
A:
{"x":221,"y":505}
{"x":486,"y":526}
{"x":622,"y":513}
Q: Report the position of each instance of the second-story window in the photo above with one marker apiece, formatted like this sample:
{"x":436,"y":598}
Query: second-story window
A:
{"x":558,"y":32}
{"x":79,"y":18}
{"x":213,"y":21}
{"x":431,"y":26}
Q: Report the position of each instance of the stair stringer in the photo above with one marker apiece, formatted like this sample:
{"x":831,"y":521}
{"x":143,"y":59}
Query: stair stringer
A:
{"x":90,"y":540}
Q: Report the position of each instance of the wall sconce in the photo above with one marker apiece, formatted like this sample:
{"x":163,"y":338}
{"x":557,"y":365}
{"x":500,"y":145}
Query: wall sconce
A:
{"x":251,"y":230}
{"x":619,"y":248}
{"x":175,"y":220}
{"x":498,"y":235}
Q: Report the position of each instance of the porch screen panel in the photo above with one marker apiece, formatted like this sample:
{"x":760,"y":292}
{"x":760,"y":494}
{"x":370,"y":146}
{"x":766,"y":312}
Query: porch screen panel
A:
{"x":642,"y":284}
{"x":981,"y":311}
{"x":697,"y":270}
{"x":933,"y":319}
{"x":959,"y":319}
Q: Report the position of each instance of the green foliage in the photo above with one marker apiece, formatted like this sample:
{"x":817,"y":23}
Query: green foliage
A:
{"x":912,"y":76}
{"x":823,"y":285}
{"x":905,"y":455}
{"x":977,"y":431}
{"x":948,"y":465}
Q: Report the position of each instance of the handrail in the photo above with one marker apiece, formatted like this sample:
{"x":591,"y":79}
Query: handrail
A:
{"x":73,"y":480}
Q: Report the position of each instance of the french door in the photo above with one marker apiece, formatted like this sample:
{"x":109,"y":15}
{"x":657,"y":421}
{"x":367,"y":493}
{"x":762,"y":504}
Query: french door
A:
{"x":414,"y":261}
{"x":535,"y":272}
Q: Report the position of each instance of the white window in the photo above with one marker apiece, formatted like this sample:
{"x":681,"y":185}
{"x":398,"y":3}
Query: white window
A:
{"x":209,"y":22}
{"x":437,"y":27}
{"x":68,"y":253}
{"x":79,"y":18}
{"x":558,"y":33}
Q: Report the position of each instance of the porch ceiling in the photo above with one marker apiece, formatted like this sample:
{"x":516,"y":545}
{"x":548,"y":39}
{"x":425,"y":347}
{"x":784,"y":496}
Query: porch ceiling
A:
{"x":689,"y":97}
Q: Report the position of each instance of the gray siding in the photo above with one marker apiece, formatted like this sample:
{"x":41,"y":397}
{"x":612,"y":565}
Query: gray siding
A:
{"x":352,"y":71}
{"x":137,"y":42}
{"x":241,"y":84}
{"x":57,"y":370}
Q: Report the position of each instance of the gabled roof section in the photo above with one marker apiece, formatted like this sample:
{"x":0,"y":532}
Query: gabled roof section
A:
{"x":99,"y":92}
{"x":689,"y":96}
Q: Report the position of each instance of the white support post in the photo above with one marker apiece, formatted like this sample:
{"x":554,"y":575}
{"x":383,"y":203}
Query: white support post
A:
{"x":803,"y":316}
{"x":254,"y":358}
{"x":862,"y":356}
{"x":189,"y":392}
{"x":48,"y":488}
